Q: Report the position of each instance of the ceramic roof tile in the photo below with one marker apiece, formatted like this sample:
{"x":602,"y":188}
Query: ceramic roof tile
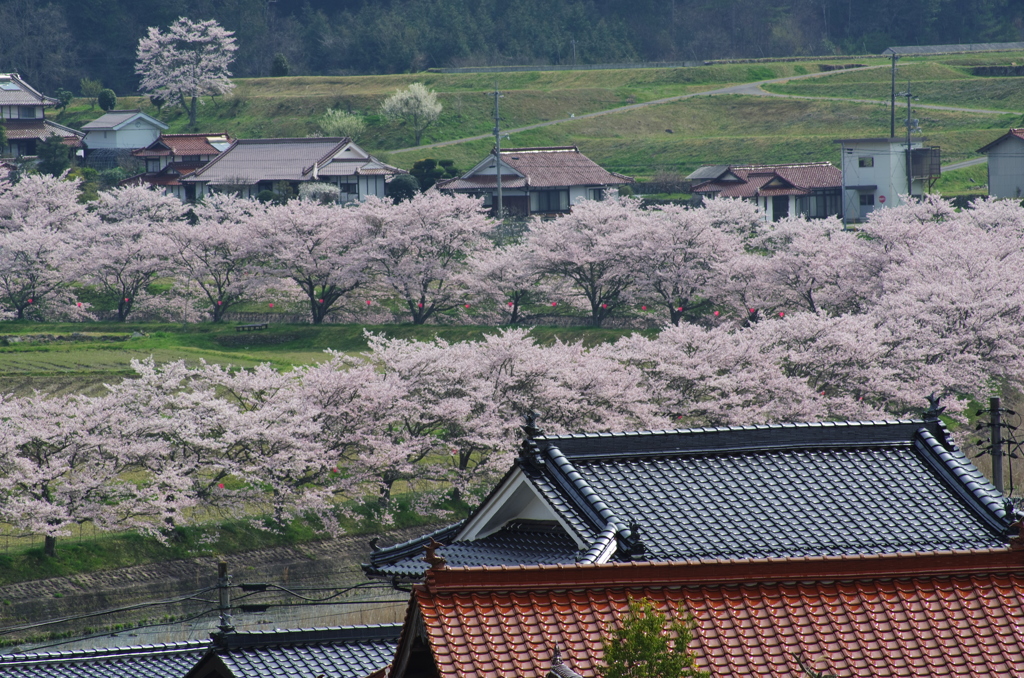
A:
{"x":168,"y":660}
{"x":543,"y":168}
{"x":794,"y":179}
{"x":940,"y":622}
{"x":519,"y":542}
{"x":340,"y":652}
{"x":832,"y":488}
{"x":16,"y":92}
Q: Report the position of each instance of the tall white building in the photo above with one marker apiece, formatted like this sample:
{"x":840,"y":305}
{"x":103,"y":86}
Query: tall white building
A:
{"x":875,"y":173}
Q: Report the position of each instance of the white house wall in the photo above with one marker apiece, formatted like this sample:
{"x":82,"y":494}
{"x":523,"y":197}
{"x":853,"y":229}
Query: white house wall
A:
{"x":122,"y":139}
{"x":1006,"y":169}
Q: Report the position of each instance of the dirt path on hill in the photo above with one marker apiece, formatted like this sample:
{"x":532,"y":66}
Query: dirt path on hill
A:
{"x":745,"y":89}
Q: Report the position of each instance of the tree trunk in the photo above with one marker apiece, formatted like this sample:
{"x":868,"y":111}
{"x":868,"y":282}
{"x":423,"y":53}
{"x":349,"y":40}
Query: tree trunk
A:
{"x":192,"y":112}
{"x":50,"y":547}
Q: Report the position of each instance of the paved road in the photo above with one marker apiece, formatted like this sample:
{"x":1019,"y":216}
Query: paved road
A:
{"x":965,"y":163}
{"x":745,"y":89}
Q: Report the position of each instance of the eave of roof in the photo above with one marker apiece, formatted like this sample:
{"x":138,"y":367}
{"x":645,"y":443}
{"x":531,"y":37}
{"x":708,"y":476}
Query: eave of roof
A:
{"x":1014,"y":133}
{"x":726,"y":571}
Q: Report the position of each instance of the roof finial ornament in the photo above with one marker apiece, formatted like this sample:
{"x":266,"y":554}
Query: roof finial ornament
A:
{"x":556,"y":658}
{"x":933,"y":410}
{"x":435,"y":561}
{"x":529,"y":448}
{"x":637,"y":548}
{"x":374,"y":544}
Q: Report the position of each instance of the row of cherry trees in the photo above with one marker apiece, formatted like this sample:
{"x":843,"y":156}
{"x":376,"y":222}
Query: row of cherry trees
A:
{"x":796,"y":321}
{"x":434,"y":258}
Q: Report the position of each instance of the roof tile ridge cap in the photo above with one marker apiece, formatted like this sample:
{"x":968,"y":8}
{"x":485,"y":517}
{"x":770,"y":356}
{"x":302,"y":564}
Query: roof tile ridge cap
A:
{"x":583,"y":488}
{"x":973,"y":482}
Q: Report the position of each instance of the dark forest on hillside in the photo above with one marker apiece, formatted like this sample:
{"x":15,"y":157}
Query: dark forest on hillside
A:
{"x":56,"y":43}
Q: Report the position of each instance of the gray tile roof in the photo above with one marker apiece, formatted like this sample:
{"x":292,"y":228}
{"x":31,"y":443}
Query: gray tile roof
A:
{"x":524,"y":542}
{"x":167,"y":660}
{"x":339,"y":652}
{"x":16,"y":92}
{"x":791,"y":490}
{"x":115,"y":119}
{"x":248,"y":161}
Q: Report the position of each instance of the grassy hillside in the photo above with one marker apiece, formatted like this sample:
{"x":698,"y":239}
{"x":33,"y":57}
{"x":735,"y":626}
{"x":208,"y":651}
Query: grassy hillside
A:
{"x":672,"y":137}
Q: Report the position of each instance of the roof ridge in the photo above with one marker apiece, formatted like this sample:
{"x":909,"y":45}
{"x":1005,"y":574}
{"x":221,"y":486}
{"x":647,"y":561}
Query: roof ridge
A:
{"x":106,"y":652}
{"x":725,"y":429}
{"x":318,"y":635}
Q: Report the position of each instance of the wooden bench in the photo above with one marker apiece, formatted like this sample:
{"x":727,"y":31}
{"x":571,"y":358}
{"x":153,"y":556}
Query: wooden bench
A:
{"x":251,"y":327}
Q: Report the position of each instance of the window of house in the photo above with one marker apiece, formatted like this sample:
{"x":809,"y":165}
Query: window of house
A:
{"x":595,"y":193}
{"x":191,"y":158}
{"x":28,"y":111}
{"x":867,"y":198}
{"x":552,"y":201}
{"x":866,"y":161}
{"x":152,"y":164}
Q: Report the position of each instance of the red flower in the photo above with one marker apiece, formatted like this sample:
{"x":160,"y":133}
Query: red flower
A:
{"x":271,"y":306}
{"x":782,"y":314}
{"x":554,"y":303}
{"x":220,"y":486}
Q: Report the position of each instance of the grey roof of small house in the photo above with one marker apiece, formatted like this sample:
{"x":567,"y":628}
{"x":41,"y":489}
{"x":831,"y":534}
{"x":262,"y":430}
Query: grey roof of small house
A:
{"x":773,"y":491}
{"x":114,"y":120}
{"x":335,"y":652}
{"x":16,"y":92}
{"x":249,"y":161}
{"x":164,"y":660}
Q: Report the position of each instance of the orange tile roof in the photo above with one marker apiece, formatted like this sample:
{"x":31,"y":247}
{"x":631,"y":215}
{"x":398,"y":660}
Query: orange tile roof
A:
{"x":183,"y":144}
{"x":926,"y":614}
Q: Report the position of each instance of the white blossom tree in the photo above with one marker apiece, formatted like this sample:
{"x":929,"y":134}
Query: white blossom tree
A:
{"x":187,"y":62}
{"x":415,"y":105}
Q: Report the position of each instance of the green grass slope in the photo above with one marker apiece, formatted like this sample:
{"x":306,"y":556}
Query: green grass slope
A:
{"x":673,"y":137}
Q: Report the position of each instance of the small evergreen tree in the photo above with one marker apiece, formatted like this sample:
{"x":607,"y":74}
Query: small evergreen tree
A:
{"x":3,"y":140}
{"x":648,"y":645}
{"x":107,"y":99}
{"x":403,"y":187}
{"x":280,"y":67}
{"x":54,"y":156}
{"x":65,"y":97}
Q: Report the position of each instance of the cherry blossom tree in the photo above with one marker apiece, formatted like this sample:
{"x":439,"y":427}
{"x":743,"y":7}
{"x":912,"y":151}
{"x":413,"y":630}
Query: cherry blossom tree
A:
{"x":33,"y":278}
{"x":219,"y":252}
{"x":419,"y":249}
{"x":66,"y":460}
{"x":187,"y":62}
{"x":680,"y":260}
{"x":320,"y":247}
{"x":40,"y":201}
{"x":124,"y":249}
{"x":592,"y":249}
{"x":508,"y":278}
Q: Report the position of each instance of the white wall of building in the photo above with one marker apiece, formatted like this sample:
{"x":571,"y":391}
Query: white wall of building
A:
{"x":128,"y":138}
{"x":1006,"y":169}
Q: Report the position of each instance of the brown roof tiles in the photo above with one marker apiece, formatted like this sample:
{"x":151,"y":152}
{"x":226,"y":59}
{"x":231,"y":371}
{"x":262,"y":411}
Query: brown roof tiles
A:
{"x":768,"y":180}
{"x":183,"y":144}
{"x":928,"y":614}
{"x":545,"y":167}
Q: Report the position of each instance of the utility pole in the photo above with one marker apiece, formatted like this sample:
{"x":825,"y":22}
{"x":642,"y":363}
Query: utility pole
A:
{"x":910,"y":127}
{"x":500,"y":213}
{"x":224,"y":589}
{"x":997,"y":443}
{"x":892,"y":105}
